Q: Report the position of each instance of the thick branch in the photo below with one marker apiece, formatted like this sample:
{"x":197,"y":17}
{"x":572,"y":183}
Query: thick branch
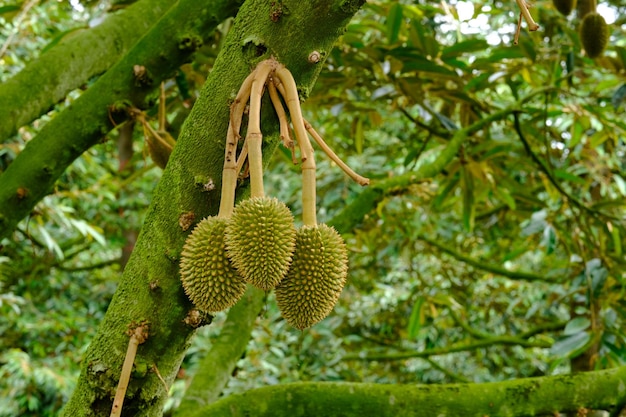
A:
{"x":521,"y":397}
{"x":67,"y":65}
{"x":215,"y":369}
{"x":166,"y":46}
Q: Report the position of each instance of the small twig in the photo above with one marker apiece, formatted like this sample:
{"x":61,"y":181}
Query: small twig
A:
{"x":138,"y":335}
{"x":158,"y":374}
{"x":532,"y":25}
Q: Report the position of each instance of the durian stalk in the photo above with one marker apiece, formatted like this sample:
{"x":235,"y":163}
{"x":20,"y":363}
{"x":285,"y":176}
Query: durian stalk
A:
{"x":254,"y":137}
{"x":532,"y":25}
{"x":285,"y":137}
{"x":327,"y":150}
{"x":309,"y":216}
{"x":231,"y":168}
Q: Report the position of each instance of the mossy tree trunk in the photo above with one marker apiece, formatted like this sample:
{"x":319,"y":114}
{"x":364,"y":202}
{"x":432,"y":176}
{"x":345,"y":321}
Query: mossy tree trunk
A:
{"x":150,"y":290}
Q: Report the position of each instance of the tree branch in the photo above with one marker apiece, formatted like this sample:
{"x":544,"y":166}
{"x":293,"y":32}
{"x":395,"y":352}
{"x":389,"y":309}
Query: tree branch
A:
{"x":521,"y":397}
{"x":215,"y":369}
{"x":166,"y":46}
{"x":517,"y":275}
{"x":67,"y":65}
{"x":457,"y":347}
{"x":365,"y":202}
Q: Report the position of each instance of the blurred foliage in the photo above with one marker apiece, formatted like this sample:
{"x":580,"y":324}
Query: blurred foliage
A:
{"x":433,"y":294}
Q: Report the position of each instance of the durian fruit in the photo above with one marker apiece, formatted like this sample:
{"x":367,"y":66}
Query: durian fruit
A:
{"x":260,"y":240}
{"x":317,"y":275}
{"x":565,"y":7}
{"x":208,"y":278}
{"x":594,"y":34}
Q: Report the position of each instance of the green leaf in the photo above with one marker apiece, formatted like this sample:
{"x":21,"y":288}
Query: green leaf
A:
{"x":564,"y":175}
{"x":417,"y":318}
{"x":571,"y":346}
{"x":459,"y":48}
{"x":394,"y":23}
{"x":9,"y":9}
{"x":576,"y":325}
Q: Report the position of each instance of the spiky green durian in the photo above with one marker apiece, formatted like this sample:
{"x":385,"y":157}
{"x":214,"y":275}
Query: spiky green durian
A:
{"x":565,"y":7}
{"x":209,"y":279}
{"x":317,"y":275}
{"x":260,"y":241}
{"x":594,"y":34}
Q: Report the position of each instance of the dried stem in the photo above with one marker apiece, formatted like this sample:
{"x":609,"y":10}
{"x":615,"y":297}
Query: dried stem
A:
{"x":532,"y":25}
{"x":137,"y":337}
{"x":284,"y":123}
{"x":333,"y":156}
{"x":231,"y":167}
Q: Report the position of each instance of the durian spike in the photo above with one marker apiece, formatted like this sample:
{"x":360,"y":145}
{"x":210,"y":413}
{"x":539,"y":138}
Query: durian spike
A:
{"x":282,"y":118}
{"x":254,"y":136}
{"x":230,"y":171}
{"x":328,"y":151}
{"x":333,"y":156}
{"x":290,"y":94}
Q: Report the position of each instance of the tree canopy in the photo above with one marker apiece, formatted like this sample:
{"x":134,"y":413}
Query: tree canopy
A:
{"x":486,"y":256}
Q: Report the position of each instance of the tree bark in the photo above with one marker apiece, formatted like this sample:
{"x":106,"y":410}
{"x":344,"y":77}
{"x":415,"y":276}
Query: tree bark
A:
{"x":169,"y":43}
{"x":66,"y":66}
{"x":150,"y":289}
{"x":522,"y":397}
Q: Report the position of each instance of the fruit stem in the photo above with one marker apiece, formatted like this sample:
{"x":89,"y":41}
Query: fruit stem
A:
{"x":254,"y":136}
{"x":532,"y":25}
{"x":285,"y":137}
{"x":333,"y":156}
{"x":287,"y":86}
{"x":231,"y":168}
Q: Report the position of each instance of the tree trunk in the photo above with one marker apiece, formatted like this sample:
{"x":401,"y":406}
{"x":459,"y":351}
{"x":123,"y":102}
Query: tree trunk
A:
{"x":150,"y":289}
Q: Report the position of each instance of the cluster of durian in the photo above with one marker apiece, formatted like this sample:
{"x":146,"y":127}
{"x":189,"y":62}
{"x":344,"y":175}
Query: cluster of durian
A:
{"x":594,"y":31}
{"x":257,"y":241}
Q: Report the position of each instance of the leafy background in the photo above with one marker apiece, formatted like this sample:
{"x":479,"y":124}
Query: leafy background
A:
{"x":507,"y":264}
